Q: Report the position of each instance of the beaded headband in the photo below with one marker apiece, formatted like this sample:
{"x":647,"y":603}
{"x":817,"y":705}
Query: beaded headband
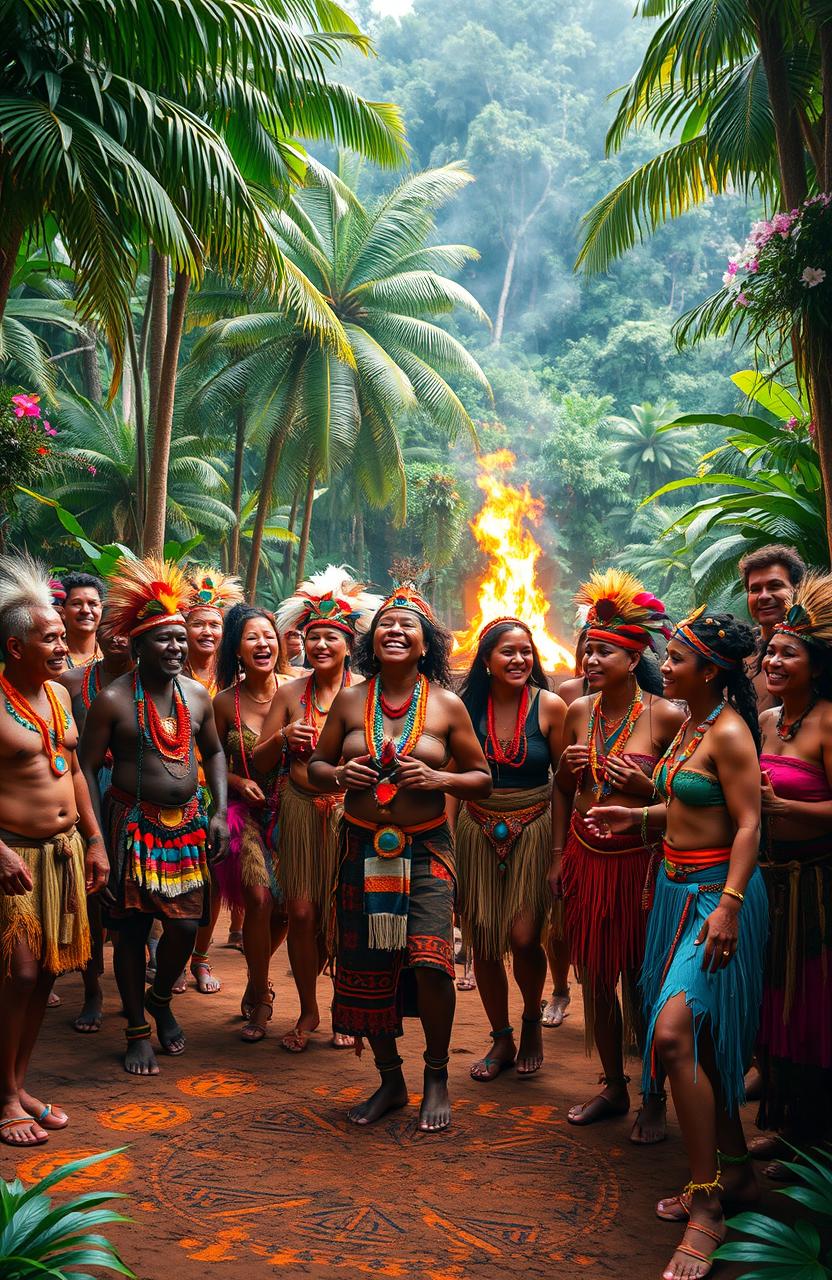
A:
{"x":405,"y":596}
{"x":212,"y":589}
{"x":331,"y":598}
{"x":620,"y":611}
{"x":146,"y":593}
{"x":498,"y":622}
{"x":687,"y":636}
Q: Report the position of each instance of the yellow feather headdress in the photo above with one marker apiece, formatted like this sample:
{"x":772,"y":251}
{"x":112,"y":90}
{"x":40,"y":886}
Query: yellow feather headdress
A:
{"x":144,"y":594}
{"x":810,"y":616}
{"x":213,"y":589}
{"x":620,"y":610}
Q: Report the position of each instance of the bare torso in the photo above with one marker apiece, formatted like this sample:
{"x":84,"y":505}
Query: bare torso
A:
{"x":33,"y":801}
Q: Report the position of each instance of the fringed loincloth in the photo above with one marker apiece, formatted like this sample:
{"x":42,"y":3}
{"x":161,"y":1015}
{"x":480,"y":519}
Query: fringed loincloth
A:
{"x":249,"y":865}
{"x":307,"y":845}
{"x":52,"y":917}
{"x":503,"y":854}
{"x":727,"y":1002}
{"x":370,"y":998}
{"x":794,"y":1046}
{"x":158,"y":862}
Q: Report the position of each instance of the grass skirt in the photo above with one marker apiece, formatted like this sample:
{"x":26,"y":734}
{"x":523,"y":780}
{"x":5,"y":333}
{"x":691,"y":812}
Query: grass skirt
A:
{"x":307,"y":845}
{"x":794,"y":1046}
{"x":605,"y":919}
{"x":490,"y":900}
{"x":249,"y":864}
{"x":52,"y":917}
{"x":728,"y":1001}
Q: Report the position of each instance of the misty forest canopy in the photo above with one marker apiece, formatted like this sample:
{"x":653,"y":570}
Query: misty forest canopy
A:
{"x":337,"y":416}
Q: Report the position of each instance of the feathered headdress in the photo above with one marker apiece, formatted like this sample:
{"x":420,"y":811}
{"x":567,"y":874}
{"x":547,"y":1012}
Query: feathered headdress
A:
{"x":406,"y":594}
{"x":810,"y":616}
{"x":213,"y":589}
{"x":24,"y":584}
{"x":621,"y":611}
{"x":331,"y":598}
{"x":146,"y":593}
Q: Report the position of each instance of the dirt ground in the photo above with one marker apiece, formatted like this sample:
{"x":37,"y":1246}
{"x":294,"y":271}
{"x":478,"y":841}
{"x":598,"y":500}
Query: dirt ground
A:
{"x":239,"y":1161}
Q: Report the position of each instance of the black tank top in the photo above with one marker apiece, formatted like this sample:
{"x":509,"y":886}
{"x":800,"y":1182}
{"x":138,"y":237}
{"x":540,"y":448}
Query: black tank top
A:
{"x":534,"y":771}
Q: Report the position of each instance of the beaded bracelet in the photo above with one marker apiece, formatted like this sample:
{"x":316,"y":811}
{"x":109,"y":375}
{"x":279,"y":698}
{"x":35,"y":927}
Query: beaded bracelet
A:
{"x":645,"y":816}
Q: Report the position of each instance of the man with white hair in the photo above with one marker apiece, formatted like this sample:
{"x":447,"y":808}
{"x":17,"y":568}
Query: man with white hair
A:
{"x":51,"y":850}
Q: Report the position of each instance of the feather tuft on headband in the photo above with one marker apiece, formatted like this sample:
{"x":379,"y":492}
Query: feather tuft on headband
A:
{"x":146,"y":593}
{"x":331,"y":598}
{"x":213,"y":589}
{"x":620,"y":610}
{"x":810,"y":616}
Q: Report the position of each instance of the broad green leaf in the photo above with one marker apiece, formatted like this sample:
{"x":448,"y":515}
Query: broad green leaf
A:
{"x":769,"y":394}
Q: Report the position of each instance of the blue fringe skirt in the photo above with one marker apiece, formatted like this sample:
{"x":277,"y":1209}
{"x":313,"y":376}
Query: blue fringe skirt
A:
{"x":728,"y":1000}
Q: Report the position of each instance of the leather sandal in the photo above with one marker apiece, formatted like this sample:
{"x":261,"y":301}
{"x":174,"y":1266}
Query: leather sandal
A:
{"x":599,"y":1107}
{"x":255,"y":1029}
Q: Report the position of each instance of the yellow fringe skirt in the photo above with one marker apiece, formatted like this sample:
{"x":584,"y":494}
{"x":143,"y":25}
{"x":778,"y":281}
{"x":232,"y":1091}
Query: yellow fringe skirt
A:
{"x":498,"y":880}
{"x":307,"y":845}
{"x":52,"y":917}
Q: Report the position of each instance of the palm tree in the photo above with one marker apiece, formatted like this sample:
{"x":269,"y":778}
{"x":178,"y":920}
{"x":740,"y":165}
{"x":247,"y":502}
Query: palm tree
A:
{"x":321,"y":409}
{"x":745,"y":86}
{"x":641,"y":448}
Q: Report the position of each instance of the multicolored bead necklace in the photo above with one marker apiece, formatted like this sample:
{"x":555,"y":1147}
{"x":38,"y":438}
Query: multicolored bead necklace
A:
{"x":786,"y":732}
{"x":672,"y":760}
{"x":171,"y":736}
{"x":384,"y":750}
{"x":614,"y":744}
{"x":312,"y":713}
{"x":91,"y":684}
{"x":515,"y":753}
{"x":21,"y":710}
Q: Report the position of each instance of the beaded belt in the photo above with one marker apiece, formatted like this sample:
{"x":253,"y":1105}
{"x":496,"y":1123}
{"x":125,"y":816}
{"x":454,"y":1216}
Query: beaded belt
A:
{"x":502,"y":830}
{"x":680,"y":864}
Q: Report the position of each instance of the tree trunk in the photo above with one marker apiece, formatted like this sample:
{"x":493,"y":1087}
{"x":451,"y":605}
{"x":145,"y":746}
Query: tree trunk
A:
{"x":360,"y":550}
{"x":154,"y":525}
{"x":289,"y":553}
{"x":90,"y":371}
{"x":157,"y":330}
{"x":303,"y":546}
{"x":790,"y":153}
{"x":508,"y":275}
{"x":141,"y":436}
{"x":9,"y":246}
{"x":819,"y":370}
{"x":264,"y":502}
{"x":237,"y":486}
{"x":825,"y":176}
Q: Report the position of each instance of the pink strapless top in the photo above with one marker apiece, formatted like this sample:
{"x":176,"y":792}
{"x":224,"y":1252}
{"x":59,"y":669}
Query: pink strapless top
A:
{"x":646,"y":763}
{"x":795,"y":779}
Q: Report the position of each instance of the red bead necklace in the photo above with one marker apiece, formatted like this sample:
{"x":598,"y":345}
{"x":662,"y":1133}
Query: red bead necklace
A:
{"x":515,"y":753}
{"x":171,"y":736}
{"x":396,"y":713}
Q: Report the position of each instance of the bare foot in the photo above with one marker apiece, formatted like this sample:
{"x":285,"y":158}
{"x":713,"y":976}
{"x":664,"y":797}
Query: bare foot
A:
{"x":740,"y":1192}
{"x":612,"y":1101}
{"x":53,"y":1002}
{"x":180,"y":986}
{"x":342,"y":1041}
{"x":705,"y":1233}
{"x":500,"y":1057}
{"x":89,"y":1019}
{"x":46,"y":1114}
{"x":391,"y":1095}
{"x":530,"y":1054}
{"x":651,"y":1120}
{"x":140,"y":1060}
{"x":753,"y":1085}
{"x":171,"y":1036}
{"x":769,"y":1146}
{"x":435,"y":1111}
{"x":18,"y":1129}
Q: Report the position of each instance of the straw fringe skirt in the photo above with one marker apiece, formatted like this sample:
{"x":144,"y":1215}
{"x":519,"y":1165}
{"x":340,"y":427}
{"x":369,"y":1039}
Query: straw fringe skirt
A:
{"x":52,"y":917}
{"x":307,"y":845}
{"x":490,"y":900}
{"x":249,"y":864}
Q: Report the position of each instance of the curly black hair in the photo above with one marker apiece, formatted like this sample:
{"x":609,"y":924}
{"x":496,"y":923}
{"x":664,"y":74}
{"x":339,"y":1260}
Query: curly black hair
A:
{"x":232,"y":633}
{"x":476,"y":682}
{"x":733,"y":640}
{"x":436,"y":664}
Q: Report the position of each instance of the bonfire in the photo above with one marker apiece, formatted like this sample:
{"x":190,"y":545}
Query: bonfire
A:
{"x":509,"y":586}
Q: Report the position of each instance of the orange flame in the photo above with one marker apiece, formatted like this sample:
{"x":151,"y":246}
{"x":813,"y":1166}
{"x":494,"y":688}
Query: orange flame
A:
{"x":509,"y":586}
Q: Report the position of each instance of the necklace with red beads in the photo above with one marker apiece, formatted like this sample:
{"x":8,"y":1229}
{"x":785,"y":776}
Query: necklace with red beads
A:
{"x":514,"y":752}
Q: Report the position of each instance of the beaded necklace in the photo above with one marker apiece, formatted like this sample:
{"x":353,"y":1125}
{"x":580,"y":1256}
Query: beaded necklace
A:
{"x":312,"y":713}
{"x":612,"y":744}
{"x":171,"y":736}
{"x":210,"y":685}
{"x":21,"y":710}
{"x":238,"y":719}
{"x":91,"y":684}
{"x":515,"y":753}
{"x":671,"y":762}
{"x":383,"y":750}
{"x":786,"y":732}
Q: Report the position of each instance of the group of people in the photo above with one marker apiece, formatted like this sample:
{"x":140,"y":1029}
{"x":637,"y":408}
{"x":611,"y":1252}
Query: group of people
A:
{"x":663,"y":823}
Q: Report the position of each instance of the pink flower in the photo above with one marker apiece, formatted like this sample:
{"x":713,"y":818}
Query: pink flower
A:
{"x":781,"y":224}
{"x":91,"y":470}
{"x":48,"y":428}
{"x":753,"y":266}
{"x":812,"y":430}
{"x":761,"y":233}
{"x":792,"y":424}
{"x":26,"y":406}
{"x":742,"y":300}
{"x":732,"y":267}
{"x":812,"y":276}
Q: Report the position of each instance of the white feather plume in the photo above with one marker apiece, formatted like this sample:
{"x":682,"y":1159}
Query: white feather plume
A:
{"x":337,"y":580}
{"x":24,"y":584}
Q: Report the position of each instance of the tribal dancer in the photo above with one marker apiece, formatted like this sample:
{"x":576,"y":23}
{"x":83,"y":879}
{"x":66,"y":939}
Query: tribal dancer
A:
{"x":45,"y":818}
{"x":504,"y":843}
{"x":794,"y":1047}
{"x":158,"y":832}
{"x":246,"y":878}
{"x":703,"y":966}
{"x":328,"y":610}
{"x":407,"y":742}
{"x":84,"y":684}
{"x":213,"y":594}
{"x":612,"y":739}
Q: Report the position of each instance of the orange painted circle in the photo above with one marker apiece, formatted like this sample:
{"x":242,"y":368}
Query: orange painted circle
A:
{"x":149,"y":1116}
{"x":217,"y":1084}
{"x":105,"y":1174}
